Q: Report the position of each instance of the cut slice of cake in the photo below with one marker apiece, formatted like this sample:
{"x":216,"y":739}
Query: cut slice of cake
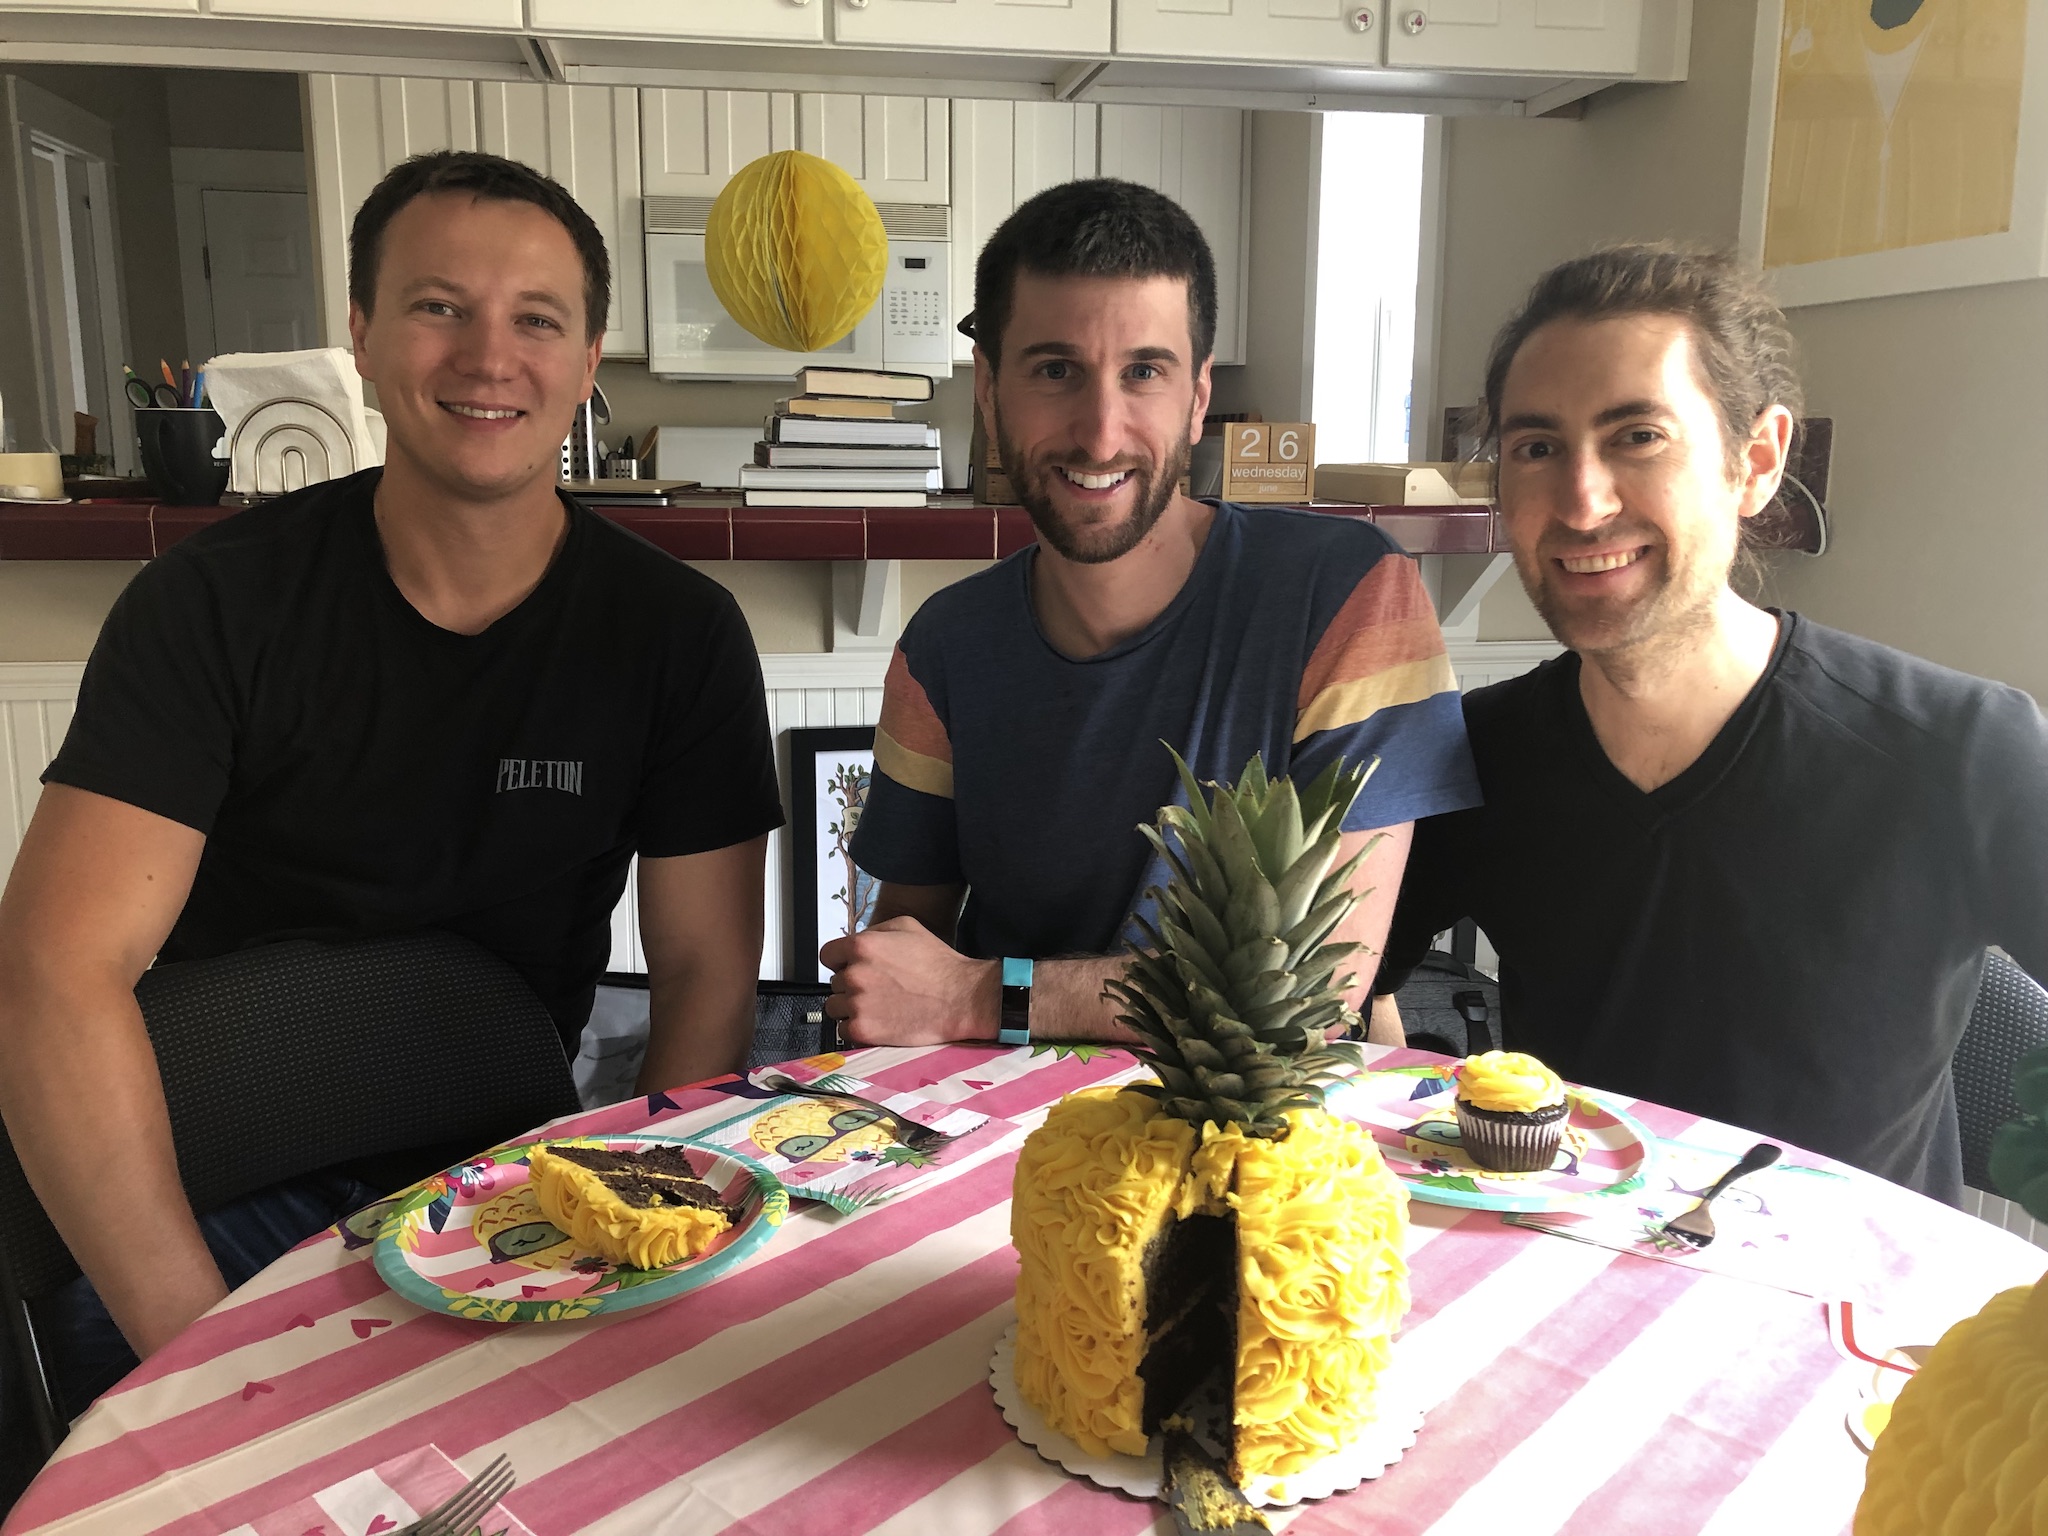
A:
{"x":645,"y":1208}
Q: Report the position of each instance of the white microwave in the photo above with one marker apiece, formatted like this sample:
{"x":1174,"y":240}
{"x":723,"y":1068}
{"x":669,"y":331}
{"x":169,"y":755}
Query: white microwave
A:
{"x":690,"y":336}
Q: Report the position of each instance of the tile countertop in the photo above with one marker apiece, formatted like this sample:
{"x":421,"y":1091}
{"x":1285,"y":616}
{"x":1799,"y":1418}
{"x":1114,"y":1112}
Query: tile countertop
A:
{"x":709,"y":528}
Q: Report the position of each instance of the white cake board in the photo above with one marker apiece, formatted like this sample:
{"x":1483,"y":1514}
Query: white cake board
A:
{"x":1378,"y":1446}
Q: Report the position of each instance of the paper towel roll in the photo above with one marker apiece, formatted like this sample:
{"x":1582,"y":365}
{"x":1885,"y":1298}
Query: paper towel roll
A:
{"x":293,"y":418}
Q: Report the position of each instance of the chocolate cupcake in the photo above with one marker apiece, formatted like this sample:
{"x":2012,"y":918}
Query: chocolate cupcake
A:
{"x":1511,"y":1112}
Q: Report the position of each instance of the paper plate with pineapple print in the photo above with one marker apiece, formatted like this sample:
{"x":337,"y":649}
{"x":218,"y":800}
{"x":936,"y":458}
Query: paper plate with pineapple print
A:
{"x":1605,"y":1150}
{"x":472,"y":1241}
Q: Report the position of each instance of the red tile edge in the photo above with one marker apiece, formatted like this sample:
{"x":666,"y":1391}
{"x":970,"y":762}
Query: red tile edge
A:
{"x":688,"y":533}
{"x":78,"y":531}
{"x":931,"y":533}
{"x":712,"y":530}
{"x":799,"y":533}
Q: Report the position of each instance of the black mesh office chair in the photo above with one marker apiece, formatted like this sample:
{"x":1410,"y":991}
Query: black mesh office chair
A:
{"x":1448,"y":1004}
{"x":2010,"y":1018}
{"x":790,"y":1022}
{"x":288,"y":1058}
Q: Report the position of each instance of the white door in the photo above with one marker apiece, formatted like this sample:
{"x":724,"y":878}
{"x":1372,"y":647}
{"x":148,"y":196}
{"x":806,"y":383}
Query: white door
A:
{"x":1033,"y":26}
{"x":588,"y":138}
{"x":767,"y":21}
{"x":894,"y":146}
{"x":1565,"y":37}
{"x":1340,"y":32}
{"x":362,"y":126}
{"x":1195,"y":155}
{"x":492,"y":15}
{"x":691,"y":142}
{"x":1004,"y":153}
{"x":259,"y":271}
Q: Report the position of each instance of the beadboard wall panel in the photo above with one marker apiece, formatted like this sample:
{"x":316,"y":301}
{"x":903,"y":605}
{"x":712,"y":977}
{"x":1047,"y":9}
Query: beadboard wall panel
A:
{"x":36,"y":700}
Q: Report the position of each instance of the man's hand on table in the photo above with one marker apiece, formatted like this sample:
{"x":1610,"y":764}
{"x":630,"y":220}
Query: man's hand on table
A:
{"x":898,"y":983}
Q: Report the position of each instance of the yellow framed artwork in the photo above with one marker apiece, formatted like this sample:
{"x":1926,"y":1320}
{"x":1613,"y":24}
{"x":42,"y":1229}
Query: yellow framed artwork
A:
{"x":1895,"y":146}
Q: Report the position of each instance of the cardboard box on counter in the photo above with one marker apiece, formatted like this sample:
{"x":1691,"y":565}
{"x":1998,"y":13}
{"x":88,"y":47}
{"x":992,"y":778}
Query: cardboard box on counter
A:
{"x":1406,"y":485}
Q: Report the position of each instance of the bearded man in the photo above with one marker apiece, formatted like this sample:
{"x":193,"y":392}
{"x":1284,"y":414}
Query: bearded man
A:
{"x":1027,"y":711}
{"x":1734,"y":862}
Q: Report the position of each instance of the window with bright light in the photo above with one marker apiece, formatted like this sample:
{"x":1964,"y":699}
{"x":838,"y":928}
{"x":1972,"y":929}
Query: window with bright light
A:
{"x":1367,"y":249}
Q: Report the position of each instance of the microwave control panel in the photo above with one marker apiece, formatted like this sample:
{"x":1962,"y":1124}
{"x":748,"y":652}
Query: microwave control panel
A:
{"x":916,"y":304}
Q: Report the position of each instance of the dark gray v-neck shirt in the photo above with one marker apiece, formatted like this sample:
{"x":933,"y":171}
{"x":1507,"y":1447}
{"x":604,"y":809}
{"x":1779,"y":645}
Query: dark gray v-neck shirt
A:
{"x":1787,"y":936}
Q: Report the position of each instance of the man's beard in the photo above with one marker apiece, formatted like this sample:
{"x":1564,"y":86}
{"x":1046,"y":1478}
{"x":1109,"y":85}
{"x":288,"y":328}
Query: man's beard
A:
{"x":1622,"y":633}
{"x":1098,"y":544}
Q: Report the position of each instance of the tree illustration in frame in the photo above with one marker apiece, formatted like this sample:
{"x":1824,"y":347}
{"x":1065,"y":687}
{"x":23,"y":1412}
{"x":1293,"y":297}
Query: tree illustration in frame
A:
{"x":846,"y":788}
{"x":830,"y":770}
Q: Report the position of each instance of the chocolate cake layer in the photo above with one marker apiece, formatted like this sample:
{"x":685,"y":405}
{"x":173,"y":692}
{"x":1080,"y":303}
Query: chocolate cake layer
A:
{"x":1190,"y":1313}
{"x":657,"y":1177}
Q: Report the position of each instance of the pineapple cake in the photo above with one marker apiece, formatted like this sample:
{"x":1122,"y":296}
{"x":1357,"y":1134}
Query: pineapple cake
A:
{"x":1218,"y":1223}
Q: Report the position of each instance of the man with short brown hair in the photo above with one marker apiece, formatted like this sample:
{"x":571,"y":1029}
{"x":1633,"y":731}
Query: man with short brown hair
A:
{"x":436,"y":695}
{"x":1027,"y":712}
{"x":1733,"y":861}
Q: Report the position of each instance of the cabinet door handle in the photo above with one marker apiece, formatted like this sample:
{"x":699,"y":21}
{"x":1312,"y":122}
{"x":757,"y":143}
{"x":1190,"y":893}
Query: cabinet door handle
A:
{"x":1414,"y":21}
{"x":1361,"y":19}
{"x":858,"y":5}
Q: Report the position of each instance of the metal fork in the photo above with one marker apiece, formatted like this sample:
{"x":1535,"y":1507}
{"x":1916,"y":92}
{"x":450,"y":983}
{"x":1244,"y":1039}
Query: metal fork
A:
{"x":919,"y":1138}
{"x":463,"y":1511}
{"x":1696,"y":1226}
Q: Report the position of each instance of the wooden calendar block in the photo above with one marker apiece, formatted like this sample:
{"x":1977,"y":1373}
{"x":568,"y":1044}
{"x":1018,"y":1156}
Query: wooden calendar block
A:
{"x":1269,"y":461}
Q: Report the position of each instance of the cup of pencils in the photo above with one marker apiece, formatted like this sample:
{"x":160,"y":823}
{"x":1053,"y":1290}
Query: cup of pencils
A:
{"x":177,"y":432}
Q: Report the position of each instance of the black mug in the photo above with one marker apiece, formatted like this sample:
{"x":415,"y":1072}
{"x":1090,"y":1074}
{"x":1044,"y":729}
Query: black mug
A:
{"x":177,"y":453}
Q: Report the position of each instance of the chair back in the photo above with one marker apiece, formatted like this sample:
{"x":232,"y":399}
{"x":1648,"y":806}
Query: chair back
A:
{"x":287,"y":1058}
{"x":2009,"y":1019}
{"x":790,"y":1022}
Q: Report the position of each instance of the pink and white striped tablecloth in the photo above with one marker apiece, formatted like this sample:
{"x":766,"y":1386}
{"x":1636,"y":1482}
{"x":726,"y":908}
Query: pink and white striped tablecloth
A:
{"x":836,"y":1383}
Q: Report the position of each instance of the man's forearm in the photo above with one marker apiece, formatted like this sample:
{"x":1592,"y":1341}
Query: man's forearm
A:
{"x":698,"y":1026}
{"x":81,"y":1094}
{"x":1067,"y":1001}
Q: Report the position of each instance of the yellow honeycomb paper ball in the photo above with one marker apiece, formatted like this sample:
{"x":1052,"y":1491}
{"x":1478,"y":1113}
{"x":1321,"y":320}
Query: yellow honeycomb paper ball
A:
{"x":1966,"y":1451}
{"x":795,"y":250}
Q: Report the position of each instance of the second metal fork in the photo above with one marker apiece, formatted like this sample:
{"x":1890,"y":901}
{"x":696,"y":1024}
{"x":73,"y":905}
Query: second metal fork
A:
{"x":1696,"y":1226}
{"x":919,"y":1138}
{"x":460,"y":1513}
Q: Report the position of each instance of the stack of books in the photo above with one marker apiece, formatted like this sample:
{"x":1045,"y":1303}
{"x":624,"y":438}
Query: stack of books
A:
{"x":839,"y":444}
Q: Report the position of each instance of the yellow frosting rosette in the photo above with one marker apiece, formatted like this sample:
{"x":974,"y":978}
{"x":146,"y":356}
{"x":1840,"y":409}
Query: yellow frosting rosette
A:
{"x":1508,"y":1082}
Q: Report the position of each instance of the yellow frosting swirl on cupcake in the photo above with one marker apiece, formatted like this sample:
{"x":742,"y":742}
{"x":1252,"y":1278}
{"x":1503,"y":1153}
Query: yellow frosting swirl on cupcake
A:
{"x":1508,"y":1082}
{"x":597,"y":1220}
{"x":1094,"y":1184}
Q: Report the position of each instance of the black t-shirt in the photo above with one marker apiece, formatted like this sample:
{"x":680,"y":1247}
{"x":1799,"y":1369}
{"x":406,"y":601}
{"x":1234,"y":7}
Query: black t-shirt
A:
{"x":1788,"y":935}
{"x":358,"y":770}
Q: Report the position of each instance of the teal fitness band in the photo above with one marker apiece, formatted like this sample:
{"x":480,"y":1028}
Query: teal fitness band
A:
{"x":1014,"y":1023}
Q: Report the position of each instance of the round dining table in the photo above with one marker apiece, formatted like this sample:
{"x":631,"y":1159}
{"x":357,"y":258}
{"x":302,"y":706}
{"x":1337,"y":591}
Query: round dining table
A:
{"x":836,"y":1383}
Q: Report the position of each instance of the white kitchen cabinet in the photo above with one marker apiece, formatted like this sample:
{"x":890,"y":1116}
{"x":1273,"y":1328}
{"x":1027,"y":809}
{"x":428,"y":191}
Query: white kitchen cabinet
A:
{"x":361,"y":126}
{"x":1195,"y":155}
{"x":691,"y":142}
{"x":1564,"y":37}
{"x":978,"y":26}
{"x":1332,"y":32}
{"x":588,"y":138}
{"x":763,"y":21}
{"x":1003,"y":154}
{"x":486,"y":15}
{"x":894,"y":146}
{"x":154,"y":7}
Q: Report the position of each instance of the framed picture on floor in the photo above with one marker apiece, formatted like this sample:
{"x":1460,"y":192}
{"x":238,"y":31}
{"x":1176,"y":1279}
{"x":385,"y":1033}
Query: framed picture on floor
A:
{"x":830,"y":771}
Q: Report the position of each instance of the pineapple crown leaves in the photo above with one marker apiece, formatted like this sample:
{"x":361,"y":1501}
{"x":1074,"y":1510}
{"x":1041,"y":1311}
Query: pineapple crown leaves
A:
{"x":1233,"y":989}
